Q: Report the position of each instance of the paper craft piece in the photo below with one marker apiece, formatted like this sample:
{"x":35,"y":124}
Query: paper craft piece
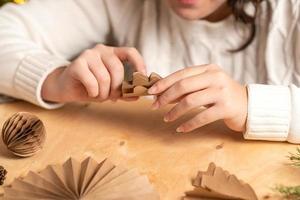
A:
{"x":3,"y":173}
{"x":139,"y":85}
{"x":88,"y":180}
{"x":216,"y":183}
{"x":24,"y":134}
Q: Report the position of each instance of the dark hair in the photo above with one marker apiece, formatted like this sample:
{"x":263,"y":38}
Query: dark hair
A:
{"x":238,"y":8}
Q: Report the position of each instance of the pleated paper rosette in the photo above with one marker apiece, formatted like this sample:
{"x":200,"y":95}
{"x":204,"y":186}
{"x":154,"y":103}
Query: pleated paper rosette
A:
{"x":86,"y":180}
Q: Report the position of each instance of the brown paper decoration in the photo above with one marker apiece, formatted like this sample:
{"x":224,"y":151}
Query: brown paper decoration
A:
{"x":3,"y":173}
{"x":139,"y":85}
{"x":24,"y":134}
{"x":216,"y":183}
{"x":87,"y":180}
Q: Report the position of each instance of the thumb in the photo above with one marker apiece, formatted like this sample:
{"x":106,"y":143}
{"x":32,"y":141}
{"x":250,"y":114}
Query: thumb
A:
{"x":133,"y":57}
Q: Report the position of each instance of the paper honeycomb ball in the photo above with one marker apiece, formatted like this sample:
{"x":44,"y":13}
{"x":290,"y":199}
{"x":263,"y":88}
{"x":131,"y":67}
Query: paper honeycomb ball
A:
{"x":23,"y":134}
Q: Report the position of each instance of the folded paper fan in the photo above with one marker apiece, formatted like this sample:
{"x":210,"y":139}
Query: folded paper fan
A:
{"x":87,"y":180}
{"x":139,"y":84}
{"x":217,"y":183}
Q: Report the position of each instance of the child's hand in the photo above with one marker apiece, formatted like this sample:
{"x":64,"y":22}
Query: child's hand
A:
{"x":97,"y":74}
{"x":206,"y":86}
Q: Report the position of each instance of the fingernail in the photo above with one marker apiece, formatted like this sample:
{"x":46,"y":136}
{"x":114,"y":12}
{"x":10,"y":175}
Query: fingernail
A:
{"x":155,"y":106}
{"x":166,"y":118}
{"x":179,"y":130}
{"x":152,"y":90}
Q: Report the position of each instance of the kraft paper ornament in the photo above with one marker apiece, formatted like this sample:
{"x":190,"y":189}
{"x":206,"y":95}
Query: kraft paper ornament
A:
{"x":3,"y":173}
{"x":24,"y":134}
{"x":217,"y":183}
{"x":139,"y":85}
{"x":86,"y":180}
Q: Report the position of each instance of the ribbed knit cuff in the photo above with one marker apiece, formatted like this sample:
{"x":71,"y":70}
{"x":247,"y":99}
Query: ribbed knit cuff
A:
{"x":30,"y":75}
{"x":269,"y":110}
{"x":294,"y":135}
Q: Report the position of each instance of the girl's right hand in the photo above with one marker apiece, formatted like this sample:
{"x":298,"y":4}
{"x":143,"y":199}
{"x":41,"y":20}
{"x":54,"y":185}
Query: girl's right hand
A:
{"x":96,"y":75}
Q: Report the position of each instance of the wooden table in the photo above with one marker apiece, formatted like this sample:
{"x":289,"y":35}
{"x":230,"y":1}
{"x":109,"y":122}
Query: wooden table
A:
{"x":133,"y":135}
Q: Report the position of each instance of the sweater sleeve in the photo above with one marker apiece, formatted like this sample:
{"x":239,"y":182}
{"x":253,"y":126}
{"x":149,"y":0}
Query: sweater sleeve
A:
{"x":273,"y":113}
{"x":42,"y":35}
{"x":274,"y":109}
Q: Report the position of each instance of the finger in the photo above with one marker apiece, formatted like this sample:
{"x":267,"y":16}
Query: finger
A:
{"x":191,"y":101}
{"x":170,"y":80}
{"x":133,"y":56}
{"x":184,"y":87}
{"x":101,"y":74}
{"x":116,"y":71}
{"x":205,"y":117}
{"x":83,"y":74}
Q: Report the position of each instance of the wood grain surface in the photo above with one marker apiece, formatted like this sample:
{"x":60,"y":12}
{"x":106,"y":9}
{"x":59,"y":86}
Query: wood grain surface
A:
{"x":133,"y":135}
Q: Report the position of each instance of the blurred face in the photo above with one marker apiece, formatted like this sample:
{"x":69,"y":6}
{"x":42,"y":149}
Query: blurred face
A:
{"x":197,"y":9}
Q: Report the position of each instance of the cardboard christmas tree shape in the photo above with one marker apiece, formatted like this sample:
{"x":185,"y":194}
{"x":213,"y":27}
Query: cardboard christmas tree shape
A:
{"x":87,"y":180}
{"x":217,"y":183}
{"x":139,"y":85}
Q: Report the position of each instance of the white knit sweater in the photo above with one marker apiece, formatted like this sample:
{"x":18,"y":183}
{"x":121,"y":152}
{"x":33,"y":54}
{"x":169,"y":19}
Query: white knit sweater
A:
{"x":42,"y":35}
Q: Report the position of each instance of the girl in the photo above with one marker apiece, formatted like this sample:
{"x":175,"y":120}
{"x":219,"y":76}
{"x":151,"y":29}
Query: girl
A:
{"x":238,"y":58}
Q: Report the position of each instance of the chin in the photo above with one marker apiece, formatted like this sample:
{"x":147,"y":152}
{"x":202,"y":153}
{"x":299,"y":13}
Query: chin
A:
{"x":195,"y":9}
{"x":189,"y":14}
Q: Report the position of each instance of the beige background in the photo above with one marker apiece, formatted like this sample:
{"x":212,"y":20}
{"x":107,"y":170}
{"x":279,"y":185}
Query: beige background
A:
{"x":133,"y":135}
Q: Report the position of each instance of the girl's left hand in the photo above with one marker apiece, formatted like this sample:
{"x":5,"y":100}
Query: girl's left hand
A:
{"x":205,"y":85}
